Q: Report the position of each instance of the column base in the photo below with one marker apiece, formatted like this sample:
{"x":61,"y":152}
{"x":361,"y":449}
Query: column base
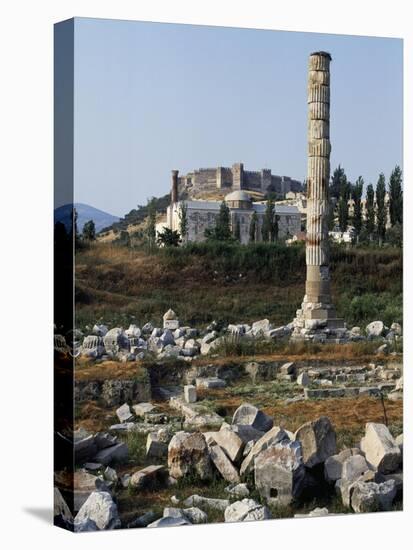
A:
{"x":317,"y":322}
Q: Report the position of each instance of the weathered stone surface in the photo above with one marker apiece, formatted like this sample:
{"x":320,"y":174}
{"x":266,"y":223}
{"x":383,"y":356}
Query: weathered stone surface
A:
{"x":104,"y":439}
{"x":240,"y":490}
{"x":371,"y":497}
{"x":333,"y":466}
{"x":84,"y":484}
{"x":110,"y":475}
{"x":204,"y":502}
{"x":170,"y":320}
{"x":280,"y":472}
{"x":303,"y":379}
{"x":124,"y":413}
{"x":188,"y":455}
{"x":203,"y":420}
{"x":149,"y":477}
{"x":190,"y":393}
{"x":223,"y":464}
{"x":147,"y":328}
{"x":195,"y":515}
{"x":247,"y":433}
{"x":246,"y":510}
{"x":85,"y":446}
{"x":287,"y":368}
{"x":355,"y":468}
{"x":167,"y":338}
{"x":375,"y":329}
{"x":101,"y":509}
{"x":142,"y":408}
{"x":396,"y":328}
{"x":209,"y":383}
{"x":230,"y":442}
{"x":318,"y":441}
{"x":259,"y":328}
{"x":85,"y":526}
{"x":273,"y":436}
{"x":144,"y":520}
{"x":252,"y":416}
{"x":155,"y":448}
{"x":60,"y":508}
{"x":115,"y":453}
{"x":100,"y":330}
{"x":380,"y":448}
{"x":169,"y":522}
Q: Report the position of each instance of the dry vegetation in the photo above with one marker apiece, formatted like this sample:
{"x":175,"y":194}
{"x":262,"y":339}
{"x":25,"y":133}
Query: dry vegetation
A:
{"x":231,"y":283}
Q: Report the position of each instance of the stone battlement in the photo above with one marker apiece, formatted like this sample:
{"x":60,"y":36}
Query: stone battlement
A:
{"x":203,"y":180}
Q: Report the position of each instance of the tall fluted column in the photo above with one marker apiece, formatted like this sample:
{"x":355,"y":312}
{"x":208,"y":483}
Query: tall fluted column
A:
{"x":318,"y":278}
{"x":317,"y":318}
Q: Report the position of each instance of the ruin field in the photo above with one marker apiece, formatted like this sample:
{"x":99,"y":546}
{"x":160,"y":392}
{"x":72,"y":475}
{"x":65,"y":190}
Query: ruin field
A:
{"x":120,"y":285}
{"x":193,"y":405}
{"x":141,"y":407}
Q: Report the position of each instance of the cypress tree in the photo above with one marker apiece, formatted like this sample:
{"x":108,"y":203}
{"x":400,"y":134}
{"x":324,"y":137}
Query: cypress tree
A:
{"x":89,"y":231}
{"x":343,"y":204}
{"x":183,"y":220}
{"x":396,"y":197}
{"x":381,"y":208}
{"x":357,"y":215}
{"x":253,"y":227}
{"x":370,"y":213}
{"x":267,"y":229}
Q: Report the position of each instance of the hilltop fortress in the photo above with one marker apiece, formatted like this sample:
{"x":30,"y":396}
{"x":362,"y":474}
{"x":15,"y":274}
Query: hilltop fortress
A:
{"x":204,"y":181}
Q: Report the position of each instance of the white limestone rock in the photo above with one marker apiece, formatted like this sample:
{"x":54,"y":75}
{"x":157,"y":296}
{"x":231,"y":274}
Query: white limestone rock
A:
{"x":380,"y":448}
{"x":303,"y":379}
{"x":210,"y":383}
{"x":375,"y":329}
{"x":219,"y":504}
{"x":252,"y":416}
{"x":259,"y":328}
{"x":188,"y":454}
{"x":169,"y":522}
{"x":110,"y":474}
{"x":246,"y":510}
{"x":190,"y":393}
{"x":318,"y":441}
{"x":223,"y":464}
{"x":150,"y":477}
{"x":239,"y":490}
{"x":272,"y":437}
{"x":230,"y":442}
{"x":195,"y":515}
{"x":124,"y":413}
{"x":371,"y":497}
{"x":142,"y":408}
{"x":155,"y":448}
{"x":280,"y":473}
{"x":101,"y":509}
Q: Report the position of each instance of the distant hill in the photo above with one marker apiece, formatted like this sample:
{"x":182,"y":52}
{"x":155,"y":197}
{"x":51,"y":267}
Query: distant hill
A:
{"x":85,"y":213}
{"x":138,"y":215}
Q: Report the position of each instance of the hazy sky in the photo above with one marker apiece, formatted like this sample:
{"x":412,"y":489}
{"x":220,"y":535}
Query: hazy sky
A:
{"x":152,"y":97}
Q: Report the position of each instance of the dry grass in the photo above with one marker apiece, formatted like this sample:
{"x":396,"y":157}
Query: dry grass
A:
{"x":122,"y":285}
{"x":107,"y":370}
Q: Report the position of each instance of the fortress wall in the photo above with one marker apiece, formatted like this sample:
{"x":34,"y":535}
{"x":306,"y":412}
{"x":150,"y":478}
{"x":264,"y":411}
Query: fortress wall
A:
{"x":252,"y":180}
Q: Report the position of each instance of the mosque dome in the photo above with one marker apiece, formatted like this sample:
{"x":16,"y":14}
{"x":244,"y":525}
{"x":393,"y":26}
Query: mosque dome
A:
{"x":238,"y":199}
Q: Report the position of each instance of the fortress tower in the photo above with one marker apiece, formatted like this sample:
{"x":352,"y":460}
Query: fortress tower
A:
{"x":317,"y":319}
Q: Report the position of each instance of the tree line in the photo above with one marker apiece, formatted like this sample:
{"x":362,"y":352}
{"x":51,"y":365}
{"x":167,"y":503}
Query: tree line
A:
{"x":373,"y":225}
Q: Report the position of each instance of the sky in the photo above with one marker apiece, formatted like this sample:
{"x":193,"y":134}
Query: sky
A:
{"x":152,"y":97}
